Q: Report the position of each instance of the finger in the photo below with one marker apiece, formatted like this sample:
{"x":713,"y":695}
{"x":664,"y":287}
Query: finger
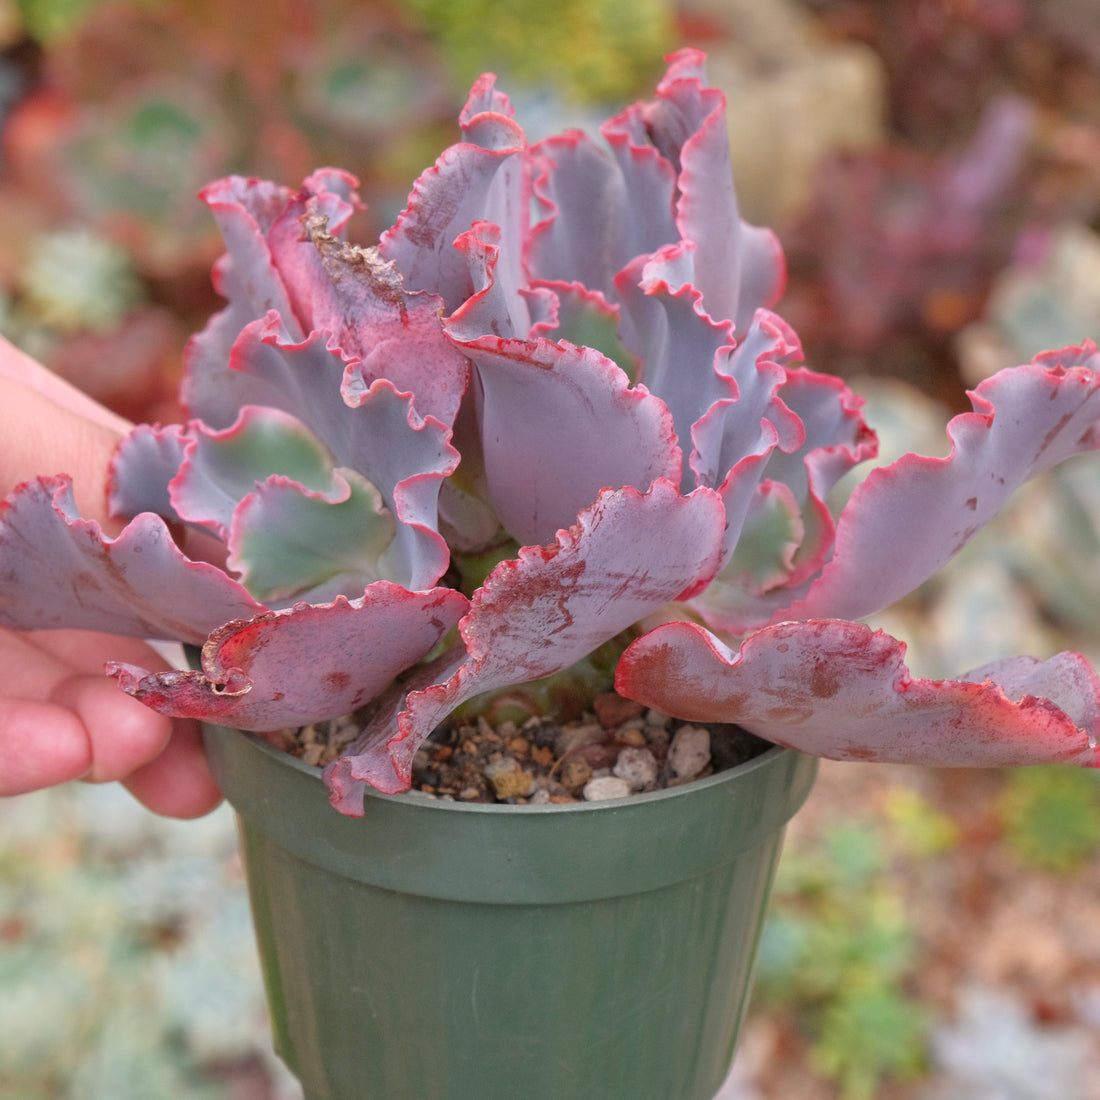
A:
{"x":178,"y":783}
{"x":120,"y":734}
{"x":42,"y":437}
{"x":41,"y":745}
{"x":124,"y":734}
{"x":17,"y":365}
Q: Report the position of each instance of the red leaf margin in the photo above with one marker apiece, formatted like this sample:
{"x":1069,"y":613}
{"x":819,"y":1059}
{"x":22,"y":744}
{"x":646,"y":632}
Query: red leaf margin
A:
{"x":841,"y":690}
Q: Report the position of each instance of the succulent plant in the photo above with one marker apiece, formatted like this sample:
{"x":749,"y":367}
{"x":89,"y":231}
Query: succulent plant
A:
{"x":550,"y":409}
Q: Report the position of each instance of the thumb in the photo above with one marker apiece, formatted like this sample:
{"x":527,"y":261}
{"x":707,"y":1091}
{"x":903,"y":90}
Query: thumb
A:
{"x":51,"y":428}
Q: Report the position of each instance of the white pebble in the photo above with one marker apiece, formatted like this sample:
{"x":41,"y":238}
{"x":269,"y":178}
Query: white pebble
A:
{"x":689,"y":752}
{"x":638,"y":767}
{"x":607,"y":786}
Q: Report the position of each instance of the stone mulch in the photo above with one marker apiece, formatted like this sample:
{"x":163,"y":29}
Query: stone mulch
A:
{"x":617,"y":749}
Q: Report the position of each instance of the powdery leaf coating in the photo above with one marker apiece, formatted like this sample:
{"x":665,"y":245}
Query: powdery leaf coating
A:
{"x":841,"y":690}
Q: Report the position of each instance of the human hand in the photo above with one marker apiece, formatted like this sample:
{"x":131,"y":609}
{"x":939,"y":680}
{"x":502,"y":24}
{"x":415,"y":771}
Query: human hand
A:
{"x":60,"y":717}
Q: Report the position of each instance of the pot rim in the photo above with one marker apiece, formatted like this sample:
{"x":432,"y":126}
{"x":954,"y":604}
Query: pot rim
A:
{"x":505,"y":854}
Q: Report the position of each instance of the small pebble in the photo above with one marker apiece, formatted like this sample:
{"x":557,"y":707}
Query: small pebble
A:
{"x":689,"y":752}
{"x":607,"y":786}
{"x":518,"y":745}
{"x":638,"y":767}
{"x":612,"y":709}
{"x":543,"y":756}
{"x":631,"y":735}
{"x":502,"y":765}
{"x":575,"y":772}
{"x":511,"y":784}
{"x":602,"y":755}
{"x":554,"y":788}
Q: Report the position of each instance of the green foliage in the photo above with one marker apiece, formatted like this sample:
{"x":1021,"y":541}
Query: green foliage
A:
{"x":918,"y":829}
{"x":868,"y":1033}
{"x":77,"y":280}
{"x":149,"y":155}
{"x":590,"y":49}
{"x":1051,"y":816}
{"x":839,"y":950}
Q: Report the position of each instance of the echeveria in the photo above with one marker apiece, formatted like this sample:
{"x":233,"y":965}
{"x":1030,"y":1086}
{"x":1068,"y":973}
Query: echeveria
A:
{"x":551,"y":408}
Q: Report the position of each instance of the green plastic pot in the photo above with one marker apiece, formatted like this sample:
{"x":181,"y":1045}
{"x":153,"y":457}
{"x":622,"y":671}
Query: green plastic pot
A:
{"x":436,"y":950}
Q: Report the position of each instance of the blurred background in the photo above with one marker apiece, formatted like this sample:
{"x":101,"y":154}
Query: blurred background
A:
{"x":932,"y":168}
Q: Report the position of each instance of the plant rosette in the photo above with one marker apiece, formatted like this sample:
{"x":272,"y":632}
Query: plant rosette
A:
{"x":549,"y":415}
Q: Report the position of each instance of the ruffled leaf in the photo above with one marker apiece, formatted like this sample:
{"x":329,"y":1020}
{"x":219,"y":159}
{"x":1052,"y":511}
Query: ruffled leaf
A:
{"x":832,"y":439}
{"x":599,"y":211}
{"x":58,"y":570}
{"x":221,"y":468}
{"x":586,"y":318}
{"x":143,"y":466}
{"x":906,"y":520}
{"x":734,"y":437}
{"x":687,"y":123}
{"x":490,"y":307}
{"x":841,"y":690}
{"x":383,"y":330}
{"x":756,"y":419}
{"x":289,"y":542}
{"x":678,"y":347}
{"x":372,"y":428}
{"x":268,"y":268}
{"x":770,"y":536}
{"x":484,"y":178}
{"x":735,"y":267}
{"x":305,"y":664}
